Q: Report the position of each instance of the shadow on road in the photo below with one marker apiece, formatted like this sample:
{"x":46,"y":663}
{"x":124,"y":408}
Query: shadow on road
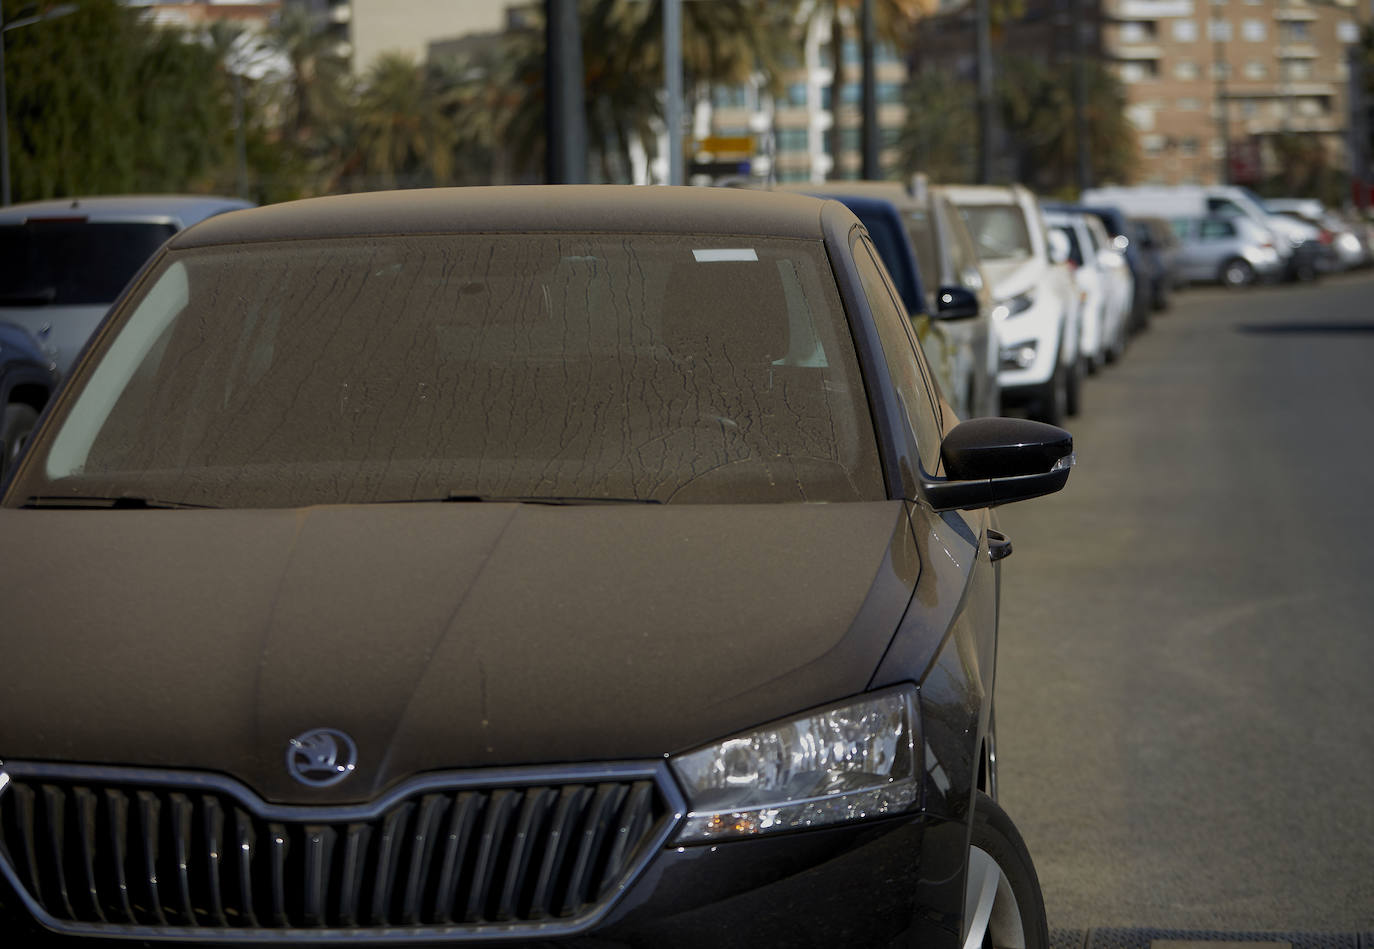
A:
{"x":1307,"y":329}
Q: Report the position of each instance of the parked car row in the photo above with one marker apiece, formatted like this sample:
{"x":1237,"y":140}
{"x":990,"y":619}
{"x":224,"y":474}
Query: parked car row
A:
{"x":1014,"y":301}
{"x":1230,"y":235}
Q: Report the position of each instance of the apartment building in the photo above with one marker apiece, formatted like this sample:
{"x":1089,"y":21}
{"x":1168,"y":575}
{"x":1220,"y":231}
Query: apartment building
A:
{"x":1210,"y":84}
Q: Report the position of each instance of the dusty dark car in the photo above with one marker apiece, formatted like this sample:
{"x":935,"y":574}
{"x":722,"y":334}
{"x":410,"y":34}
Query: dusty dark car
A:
{"x":584,"y":566}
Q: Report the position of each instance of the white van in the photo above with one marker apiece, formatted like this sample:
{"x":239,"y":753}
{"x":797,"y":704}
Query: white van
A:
{"x":1298,"y":244}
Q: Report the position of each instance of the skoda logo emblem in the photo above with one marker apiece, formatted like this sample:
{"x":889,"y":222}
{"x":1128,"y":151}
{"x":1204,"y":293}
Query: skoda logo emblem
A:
{"x":321,"y":757}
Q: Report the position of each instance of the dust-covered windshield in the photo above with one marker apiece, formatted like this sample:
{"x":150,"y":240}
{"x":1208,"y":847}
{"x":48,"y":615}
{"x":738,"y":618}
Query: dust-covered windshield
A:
{"x":999,"y":230}
{"x":636,"y":367}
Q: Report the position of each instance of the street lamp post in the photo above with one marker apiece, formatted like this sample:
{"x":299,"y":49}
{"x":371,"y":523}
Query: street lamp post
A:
{"x":49,"y":14}
{"x":672,"y":87}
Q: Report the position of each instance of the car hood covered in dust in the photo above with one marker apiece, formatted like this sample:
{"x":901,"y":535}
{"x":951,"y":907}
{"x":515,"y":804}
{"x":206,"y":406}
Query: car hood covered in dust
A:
{"x":437,"y":635}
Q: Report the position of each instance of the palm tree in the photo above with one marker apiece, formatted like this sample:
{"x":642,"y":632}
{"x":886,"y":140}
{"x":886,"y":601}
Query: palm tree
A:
{"x":475,"y":103}
{"x":1036,"y":101}
{"x":940,"y":136}
{"x":404,"y":135}
{"x":894,"y":21}
{"x":226,"y":40}
{"x":724,"y":41}
{"x":315,"y":83}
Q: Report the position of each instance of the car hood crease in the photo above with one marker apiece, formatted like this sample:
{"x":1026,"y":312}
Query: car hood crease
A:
{"x":436,"y":635}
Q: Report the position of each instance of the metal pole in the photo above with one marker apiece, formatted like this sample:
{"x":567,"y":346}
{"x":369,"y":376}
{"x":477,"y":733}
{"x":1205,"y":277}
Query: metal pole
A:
{"x":240,"y":140}
{"x":1358,"y":143}
{"x":983,"y":30}
{"x":565,"y":121}
{"x":4,"y":123}
{"x":1080,"y":99}
{"x":672,"y":87}
{"x":872,"y":169}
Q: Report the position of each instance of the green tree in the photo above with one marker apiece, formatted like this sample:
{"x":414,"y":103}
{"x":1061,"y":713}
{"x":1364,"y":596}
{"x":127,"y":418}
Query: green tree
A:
{"x":404,"y":135}
{"x":101,"y":102}
{"x":1036,"y":101}
{"x":1307,"y":168}
{"x":314,"y":89}
{"x":940,"y":136}
{"x":476,"y":103}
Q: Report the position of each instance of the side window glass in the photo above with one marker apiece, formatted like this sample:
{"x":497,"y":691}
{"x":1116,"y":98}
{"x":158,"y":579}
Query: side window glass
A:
{"x":1217,"y":229}
{"x":1223,"y":206}
{"x":962,"y":252}
{"x":902,"y":355}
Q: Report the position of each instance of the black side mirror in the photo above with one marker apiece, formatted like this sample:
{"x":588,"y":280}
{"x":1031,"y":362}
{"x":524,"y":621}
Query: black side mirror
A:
{"x":991,"y":461}
{"x":955,"y":303}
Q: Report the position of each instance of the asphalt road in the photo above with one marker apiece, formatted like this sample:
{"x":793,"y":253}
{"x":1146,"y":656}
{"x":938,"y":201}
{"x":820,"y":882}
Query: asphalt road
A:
{"x":1186,"y":683}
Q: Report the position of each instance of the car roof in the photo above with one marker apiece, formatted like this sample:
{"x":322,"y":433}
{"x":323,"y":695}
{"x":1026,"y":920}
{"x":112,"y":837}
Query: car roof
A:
{"x":612,"y":209}
{"x":892,"y":191}
{"x":984,"y":194}
{"x":862,"y":204}
{"x":181,"y":209}
{"x":1057,"y":215}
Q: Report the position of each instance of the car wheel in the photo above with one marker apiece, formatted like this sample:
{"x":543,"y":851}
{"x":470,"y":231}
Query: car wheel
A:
{"x":1073,"y":387}
{"x":1161,"y":295}
{"x":1237,"y":273}
{"x":1003,"y":905}
{"x":19,"y":422}
{"x":1054,"y":396}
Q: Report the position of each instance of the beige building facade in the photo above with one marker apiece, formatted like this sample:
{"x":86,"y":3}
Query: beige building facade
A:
{"x":1211,"y":83}
{"x":410,"y":26}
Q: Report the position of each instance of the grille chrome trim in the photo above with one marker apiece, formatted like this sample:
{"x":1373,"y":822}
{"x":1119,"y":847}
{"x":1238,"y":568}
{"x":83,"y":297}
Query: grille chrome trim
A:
{"x":479,"y":854}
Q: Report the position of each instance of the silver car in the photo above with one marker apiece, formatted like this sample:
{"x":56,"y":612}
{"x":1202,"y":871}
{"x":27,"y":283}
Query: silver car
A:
{"x":64,"y":261}
{"x":1231,"y":250}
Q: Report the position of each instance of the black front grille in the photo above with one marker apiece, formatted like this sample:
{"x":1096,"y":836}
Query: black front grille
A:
{"x":124,"y":854}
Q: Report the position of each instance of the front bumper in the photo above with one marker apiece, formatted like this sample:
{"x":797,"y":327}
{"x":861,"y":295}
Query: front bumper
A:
{"x":1040,"y":329}
{"x":850,"y":884}
{"x":854,"y":885}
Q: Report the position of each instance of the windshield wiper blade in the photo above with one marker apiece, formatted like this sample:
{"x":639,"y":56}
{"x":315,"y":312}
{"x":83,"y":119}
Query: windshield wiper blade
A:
{"x":460,"y":497}
{"x":123,"y":502}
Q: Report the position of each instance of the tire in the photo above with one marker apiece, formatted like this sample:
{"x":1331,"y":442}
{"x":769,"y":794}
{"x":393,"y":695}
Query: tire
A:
{"x":1161,"y":296}
{"x":1054,"y":397}
{"x":1116,"y":347}
{"x":19,"y":422}
{"x":1003,"y":905}
{"x":1237,"y":273}
{"x":1073,"y":388}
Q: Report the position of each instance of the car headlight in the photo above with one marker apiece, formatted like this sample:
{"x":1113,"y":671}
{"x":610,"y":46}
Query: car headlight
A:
{"x":1020,"y":356}
{"x":844,"y":763}
{"x":1019,"y":303}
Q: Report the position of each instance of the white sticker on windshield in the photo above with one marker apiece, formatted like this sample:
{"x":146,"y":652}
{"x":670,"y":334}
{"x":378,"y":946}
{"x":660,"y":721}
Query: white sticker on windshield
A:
{"x":724,"y":253}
